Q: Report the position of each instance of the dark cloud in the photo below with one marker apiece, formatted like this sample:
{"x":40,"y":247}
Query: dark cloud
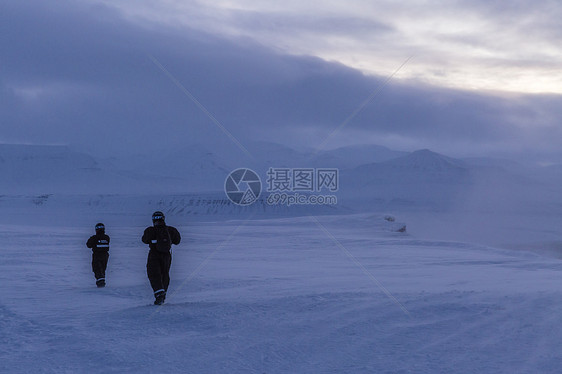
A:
{"x":81,"y":74}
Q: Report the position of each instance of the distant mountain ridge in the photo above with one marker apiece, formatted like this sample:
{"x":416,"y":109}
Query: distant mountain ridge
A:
{"x":367,"y":174}
{"x":191,"y":168}
{"x":425,"y":160}
{"x":352,"y":156}
{"x":43,"y":167}
{"x":419,"y":179}
{"x":421,"y":166}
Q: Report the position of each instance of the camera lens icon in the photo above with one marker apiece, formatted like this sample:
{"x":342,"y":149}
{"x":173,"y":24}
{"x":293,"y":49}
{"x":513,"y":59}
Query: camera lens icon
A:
{"x":243,"y":186}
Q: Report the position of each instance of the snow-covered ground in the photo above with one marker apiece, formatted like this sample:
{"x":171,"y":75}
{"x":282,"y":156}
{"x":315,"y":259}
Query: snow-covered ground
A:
{"x":328,"y":294}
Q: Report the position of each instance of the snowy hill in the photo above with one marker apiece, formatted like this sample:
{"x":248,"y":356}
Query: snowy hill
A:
{"x":201,"y":169}
{"x":27,"y":168}
{"x":31,"y":169}
{"x":419,"y":179}
{"x":190,"y":168}
{"x":426,"y":161}
{"x":21,"y":160}
{"x":419,"y":166}
{"x":353,"y":156}
{"x":494,"y":163}
{"x":268,"y":154}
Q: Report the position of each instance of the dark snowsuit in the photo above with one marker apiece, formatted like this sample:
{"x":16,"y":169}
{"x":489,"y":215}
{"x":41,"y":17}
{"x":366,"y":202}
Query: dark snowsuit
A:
{"x":100,"y":254}
{"x":160,"y":239}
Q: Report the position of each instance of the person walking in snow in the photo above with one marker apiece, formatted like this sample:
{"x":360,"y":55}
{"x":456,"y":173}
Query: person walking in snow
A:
{"x":99,"y":244}
{"x":160,"y":238}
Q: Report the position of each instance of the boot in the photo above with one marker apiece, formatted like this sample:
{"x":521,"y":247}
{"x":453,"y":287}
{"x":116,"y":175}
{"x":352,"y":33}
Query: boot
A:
{"x":160,"y":297}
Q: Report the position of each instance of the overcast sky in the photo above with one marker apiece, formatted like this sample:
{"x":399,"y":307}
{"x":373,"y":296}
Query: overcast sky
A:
{"x":459,"y":77}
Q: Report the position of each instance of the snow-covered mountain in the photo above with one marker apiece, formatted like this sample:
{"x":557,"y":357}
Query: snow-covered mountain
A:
{"x":421,"y":178}
{"x":45,"y":168}
{"x":33,"y":169}
{"x":353,"y":156}
{"x":190,"y":168}
{"x":45,"y":184}
{"x":370,"y":177}
{"x":425,"y":161}
{"x":23,"y":160}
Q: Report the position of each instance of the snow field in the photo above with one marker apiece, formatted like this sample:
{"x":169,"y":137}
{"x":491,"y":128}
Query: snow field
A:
{"x":278,"y":296}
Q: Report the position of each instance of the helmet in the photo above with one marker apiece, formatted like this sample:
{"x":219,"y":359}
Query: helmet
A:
{"x":100,"y":227}
{"x":158,"y":216}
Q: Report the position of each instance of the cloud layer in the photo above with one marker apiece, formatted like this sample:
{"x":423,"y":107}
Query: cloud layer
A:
{"x":464,"y":44}
{"x":82,"y":74}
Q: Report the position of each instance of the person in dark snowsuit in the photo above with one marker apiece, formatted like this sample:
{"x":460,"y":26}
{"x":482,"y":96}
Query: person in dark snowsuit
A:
{"x":99,"y":244}
{"x":160,"y":238}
